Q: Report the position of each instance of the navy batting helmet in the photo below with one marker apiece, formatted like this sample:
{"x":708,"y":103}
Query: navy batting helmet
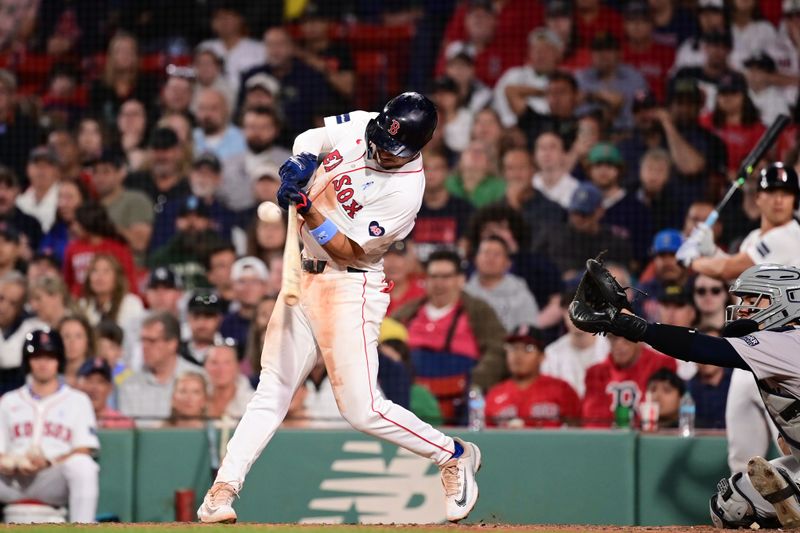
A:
{"x":779,"y":176}
{"x":404,"y":126}
{"x":43,"y":342}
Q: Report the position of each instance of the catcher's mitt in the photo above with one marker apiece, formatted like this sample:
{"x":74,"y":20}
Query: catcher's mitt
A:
{"x":598,"y":303}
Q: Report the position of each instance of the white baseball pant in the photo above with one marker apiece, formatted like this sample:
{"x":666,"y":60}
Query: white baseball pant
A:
{"x":72,"y":482}
{"x":748,"y":427}
{"x":338,"y":316}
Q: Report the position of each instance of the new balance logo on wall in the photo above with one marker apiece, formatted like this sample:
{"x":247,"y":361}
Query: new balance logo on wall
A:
{"x":370,"y":488}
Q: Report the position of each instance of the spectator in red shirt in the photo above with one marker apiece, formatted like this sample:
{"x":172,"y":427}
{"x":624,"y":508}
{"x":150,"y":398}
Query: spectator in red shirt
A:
{"x":481,"y":40}
{"x":639,"y":50}
{"x":406,"y":284}
{"x":450,"y":332}
{"x":94,"y":233}
{"x":735,"y":120}
{"x":529,"y":398}
{"x":620,"y":380}
{"x":593,"y":18}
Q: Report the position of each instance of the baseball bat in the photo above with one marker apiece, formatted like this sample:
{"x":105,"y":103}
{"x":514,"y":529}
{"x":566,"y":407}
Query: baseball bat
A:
{"x":290,"y":283}
{"x":764,"y":144}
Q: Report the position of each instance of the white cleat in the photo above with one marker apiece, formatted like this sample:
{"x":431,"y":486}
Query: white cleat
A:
{"x":776,"y":490}
{"x":217,"y":507}
{"x":458,"y":479}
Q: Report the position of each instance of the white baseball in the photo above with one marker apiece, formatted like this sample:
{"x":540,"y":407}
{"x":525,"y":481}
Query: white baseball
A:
{"x":269,"y":212}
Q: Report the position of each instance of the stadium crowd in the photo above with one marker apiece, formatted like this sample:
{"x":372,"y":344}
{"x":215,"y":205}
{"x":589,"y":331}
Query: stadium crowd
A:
{"x":136,"y":144}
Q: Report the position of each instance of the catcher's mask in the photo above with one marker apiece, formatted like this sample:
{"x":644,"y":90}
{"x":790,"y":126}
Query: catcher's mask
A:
{"x":779,"y":284}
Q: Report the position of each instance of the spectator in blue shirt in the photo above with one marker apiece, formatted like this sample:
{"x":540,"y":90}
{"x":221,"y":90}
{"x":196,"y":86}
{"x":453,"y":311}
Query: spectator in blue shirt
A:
{"x":250,"y":276}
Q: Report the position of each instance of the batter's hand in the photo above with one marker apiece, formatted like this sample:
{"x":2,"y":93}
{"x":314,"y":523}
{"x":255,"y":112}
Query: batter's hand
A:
{"x":288,"y":193}
{"x":298,"y":169}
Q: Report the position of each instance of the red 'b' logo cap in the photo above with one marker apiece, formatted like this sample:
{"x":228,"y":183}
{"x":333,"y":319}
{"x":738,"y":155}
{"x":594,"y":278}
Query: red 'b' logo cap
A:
{"x":394,"y":128}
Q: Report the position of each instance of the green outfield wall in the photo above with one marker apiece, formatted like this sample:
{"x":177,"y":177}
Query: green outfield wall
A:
{"x":315,"y":476}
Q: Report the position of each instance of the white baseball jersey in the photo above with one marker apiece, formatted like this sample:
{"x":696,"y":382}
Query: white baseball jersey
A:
{"x":779,"y":245}
{"x":340,"y":311}
{"x":57,"y":424}
{"x":371,"y":206}
{"x":773,"y":358}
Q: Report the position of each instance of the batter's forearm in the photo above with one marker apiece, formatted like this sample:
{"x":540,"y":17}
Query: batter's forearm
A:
{"x":343,"y":250}
{"x":689,"y":345}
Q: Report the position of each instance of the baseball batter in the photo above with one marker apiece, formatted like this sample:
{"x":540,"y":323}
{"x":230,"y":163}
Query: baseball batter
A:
{"x":764,"y":340}
{"x":777,"y":240}
{"x":364,"y":196}
{"x":48,"y":435}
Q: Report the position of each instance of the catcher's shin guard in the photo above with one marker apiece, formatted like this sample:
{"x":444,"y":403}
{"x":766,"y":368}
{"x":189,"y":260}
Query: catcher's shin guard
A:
{"x":730,"y":508}
{"x":778,"y":488}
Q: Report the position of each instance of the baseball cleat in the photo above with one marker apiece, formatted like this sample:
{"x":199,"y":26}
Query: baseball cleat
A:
{"x":772,"y":486}
{"x":458,"y":479}
{"x":217,"y":507}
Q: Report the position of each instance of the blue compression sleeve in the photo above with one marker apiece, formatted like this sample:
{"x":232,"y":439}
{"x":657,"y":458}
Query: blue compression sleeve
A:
{"x":689,"y":345}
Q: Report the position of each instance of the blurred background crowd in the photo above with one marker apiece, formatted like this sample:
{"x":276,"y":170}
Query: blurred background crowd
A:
{"x":137,"y":141}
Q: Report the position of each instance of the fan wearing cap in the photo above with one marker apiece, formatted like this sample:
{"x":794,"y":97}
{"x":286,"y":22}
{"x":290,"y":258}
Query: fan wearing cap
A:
{"x":164,"y":291}
{"x":48,"y":434}
{"x":204,"y":312}
{"x":165,"y":180}
{"x":231,"y":43}
{"x":609,"y":82}
{"x":131,"y":211}
{"x":624,"y":213}
{"x":95,"y":380}
{"x":205,"y":181}
{"x":666,"y":270}
{"x":188,"y":249}
{"x":303,"y":90}
{"x":640,"y":49}
{"x":523,"y":87}
{"x":751,"y":32}
{"x":250,"y":277}
{"x":735,"y":120}
{"x":711,"y":18}
{"x":770,"y":99}
{"x":40,"y":199}
{"x":586,"y":235}
{"x":529,"y":398}
{"x":717,"y":46}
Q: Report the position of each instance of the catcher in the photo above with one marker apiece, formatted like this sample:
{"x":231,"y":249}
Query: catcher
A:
{"x":760,"y":337}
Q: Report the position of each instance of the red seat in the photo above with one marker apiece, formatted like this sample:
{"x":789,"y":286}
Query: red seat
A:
{"x":450,"y":392}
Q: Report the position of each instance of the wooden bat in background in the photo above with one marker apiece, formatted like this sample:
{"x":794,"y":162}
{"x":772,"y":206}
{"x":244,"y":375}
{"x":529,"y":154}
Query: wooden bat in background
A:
{"x":748,"y":165}
{"x":290,"y":283}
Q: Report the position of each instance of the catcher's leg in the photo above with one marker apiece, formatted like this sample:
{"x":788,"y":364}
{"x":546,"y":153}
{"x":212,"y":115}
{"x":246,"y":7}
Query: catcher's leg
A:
{"x":748,"y":427}
{"x":289,"y":353}
{"x":773,"y":481}
{"x":739,"y":504}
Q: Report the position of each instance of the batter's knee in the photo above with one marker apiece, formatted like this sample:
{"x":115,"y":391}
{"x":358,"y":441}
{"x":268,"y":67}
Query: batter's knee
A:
{"x":362,"y":418}
{"x":731,"y":508}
